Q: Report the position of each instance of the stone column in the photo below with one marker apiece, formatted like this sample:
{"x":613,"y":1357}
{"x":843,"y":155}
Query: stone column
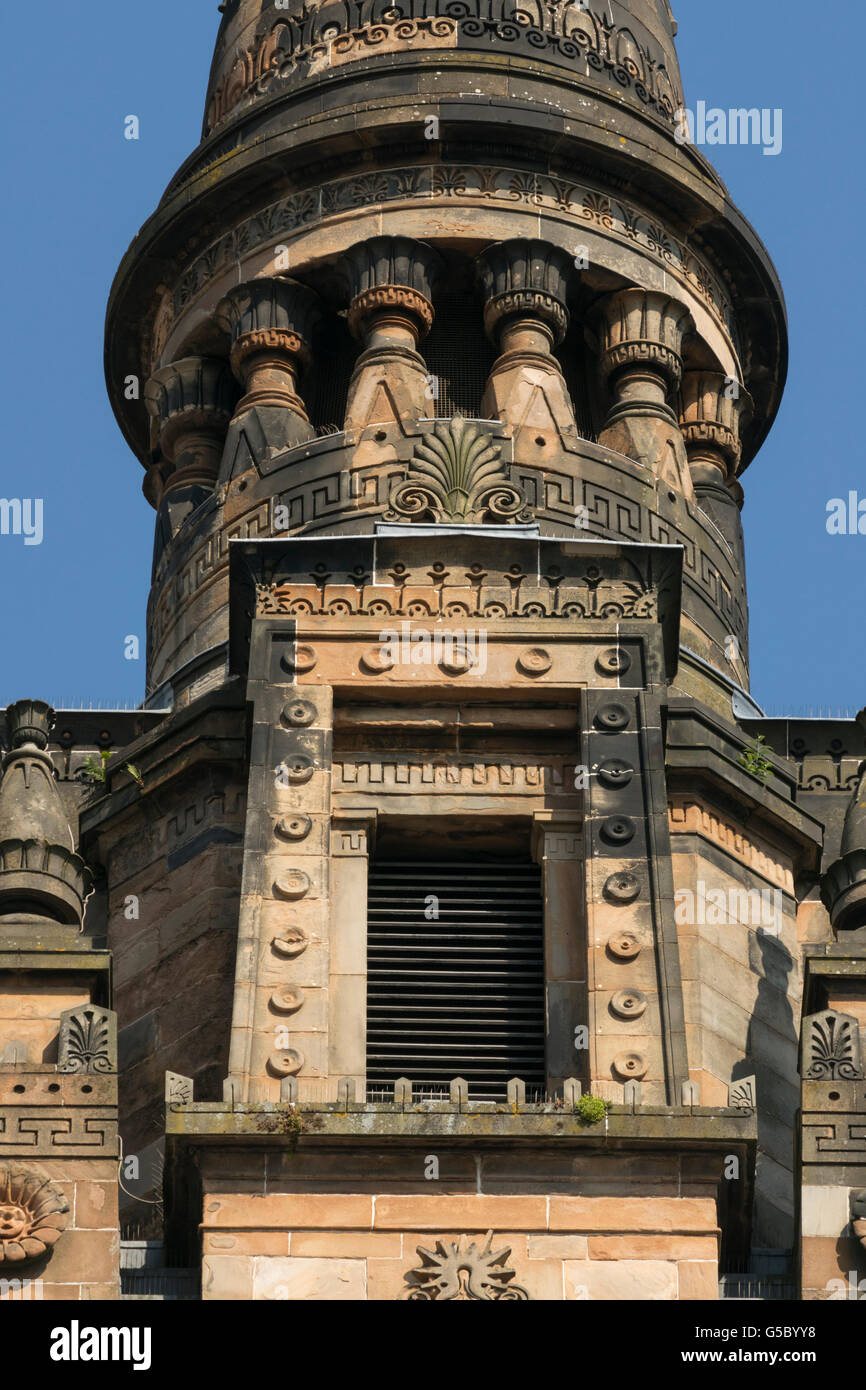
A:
{"x":390,"y":282}
{"x":271,"y":322}
{"x":352,"y":838}
{"x":640,"y":339}
{"x":192,"y":399}
{"x":713,"y":409}
{"x":557,"y":845}
{"x":525,"y":286}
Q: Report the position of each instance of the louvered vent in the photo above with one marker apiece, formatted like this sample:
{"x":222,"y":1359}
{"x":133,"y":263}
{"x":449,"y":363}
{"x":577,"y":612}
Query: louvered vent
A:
{"x":461,"y":995}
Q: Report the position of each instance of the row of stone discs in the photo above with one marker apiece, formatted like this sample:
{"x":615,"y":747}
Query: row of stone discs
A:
{"x":302,"y":800}
{"x":623,"y":887}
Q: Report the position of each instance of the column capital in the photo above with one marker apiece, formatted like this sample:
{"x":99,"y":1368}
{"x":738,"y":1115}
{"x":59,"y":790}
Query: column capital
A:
{"x":557,"y":835}
{"x":526,"y":279}
{"x":713,"y":408}
{"x":353,"y":832}
{"x":389,"y":276}
{"x":643,"y":328}
{"x":268,"y":314}
{"x":193,"y":400}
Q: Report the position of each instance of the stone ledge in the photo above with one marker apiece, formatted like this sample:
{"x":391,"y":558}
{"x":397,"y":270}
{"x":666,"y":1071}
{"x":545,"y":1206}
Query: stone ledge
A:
{"x":213,"y":1122}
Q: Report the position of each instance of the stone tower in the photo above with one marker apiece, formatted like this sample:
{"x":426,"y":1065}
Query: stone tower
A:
{"x":448,"y":884}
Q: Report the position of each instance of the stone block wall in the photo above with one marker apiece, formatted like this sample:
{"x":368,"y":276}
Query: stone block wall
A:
{"x":327,"y":1226}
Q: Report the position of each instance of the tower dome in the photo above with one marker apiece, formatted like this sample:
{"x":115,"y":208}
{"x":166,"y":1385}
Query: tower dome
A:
{"x":460,"y":129}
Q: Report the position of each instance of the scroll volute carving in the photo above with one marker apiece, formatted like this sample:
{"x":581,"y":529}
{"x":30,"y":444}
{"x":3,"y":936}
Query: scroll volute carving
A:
{"x":389,"y":282}
{"x":192,"y":401}
{"x":641,"y":336}
{"x":525,"y":285}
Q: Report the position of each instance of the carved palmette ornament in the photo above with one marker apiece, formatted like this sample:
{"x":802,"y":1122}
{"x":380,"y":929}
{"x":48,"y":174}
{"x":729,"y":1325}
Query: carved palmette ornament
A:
{"x":87,"y":1040}
{"x":470,"y":1274}
{"x":457,"y":474}
{"x":831,"y":1047}
{"x":33,"y":1215}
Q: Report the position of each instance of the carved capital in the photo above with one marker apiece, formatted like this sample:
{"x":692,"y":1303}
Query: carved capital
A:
{"x":643,"y":329}
{"x":387,"y":274}
{"x":193,"y":400}
{"x":273,"y":342}
{"x":353,"y":833}
{"x":29,"y":721}
{"x":394,"y":301}
{"x":39,"y":871}
{"x":270,"y":315}
{"x":712,"y":410}
{"x":525,"y":279}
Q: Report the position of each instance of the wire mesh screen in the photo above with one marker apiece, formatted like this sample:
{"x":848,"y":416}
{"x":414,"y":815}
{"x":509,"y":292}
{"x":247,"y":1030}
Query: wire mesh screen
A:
{"x":459,"y":357}
{"x":326,"y":387}
{"x":455,"y":977}
{"x":573,"y":360}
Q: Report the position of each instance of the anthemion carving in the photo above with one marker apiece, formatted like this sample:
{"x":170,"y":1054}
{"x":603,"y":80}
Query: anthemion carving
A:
{"x":87,"y":1040}
{"x":831,"y":1047}
{"x":463,"y":1271}
{"x":457,"y":475}
{"x":33,"y":1215}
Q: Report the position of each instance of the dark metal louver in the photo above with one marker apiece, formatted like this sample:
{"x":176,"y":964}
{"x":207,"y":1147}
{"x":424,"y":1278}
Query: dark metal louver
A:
{"x":461,"y":994}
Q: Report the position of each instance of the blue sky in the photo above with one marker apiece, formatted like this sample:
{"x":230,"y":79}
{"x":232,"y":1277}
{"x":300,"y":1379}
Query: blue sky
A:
{"x":77,"y":192}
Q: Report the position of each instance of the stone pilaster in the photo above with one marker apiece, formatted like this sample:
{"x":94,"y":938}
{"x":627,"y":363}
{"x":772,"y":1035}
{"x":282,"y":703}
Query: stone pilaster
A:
{"x":193,"y":401}
{"x":271,"y":322}
{"x":390,"y":283}
{"x":525,"y":285}
{"x":640,"y":339}
{"x":352,"y":841}
{"x":557,"y":845}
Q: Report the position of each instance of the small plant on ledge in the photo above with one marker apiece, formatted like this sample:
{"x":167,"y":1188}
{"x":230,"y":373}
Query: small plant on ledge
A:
{"x":755,"y":760}
{"x":95,"y":769}
{"x":285,"y":1120}
{"x":591,"y":1110}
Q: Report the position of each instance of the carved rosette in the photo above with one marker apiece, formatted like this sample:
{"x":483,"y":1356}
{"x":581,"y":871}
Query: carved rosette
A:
{"x":271,"y":323}
{"x":643,"y":329}
{"x":525,"y":279}
{"x":193,"y":401}
{"x":457,"y":475}
{"x":713,"y":409}
{"x":33,"y":1215}
{"x":464,"y":1273}
{"x":390,"y":278}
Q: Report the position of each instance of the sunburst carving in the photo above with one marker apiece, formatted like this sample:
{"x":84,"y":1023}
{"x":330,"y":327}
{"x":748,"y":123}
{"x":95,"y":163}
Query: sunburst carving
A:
{"x":469,"y":1275}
